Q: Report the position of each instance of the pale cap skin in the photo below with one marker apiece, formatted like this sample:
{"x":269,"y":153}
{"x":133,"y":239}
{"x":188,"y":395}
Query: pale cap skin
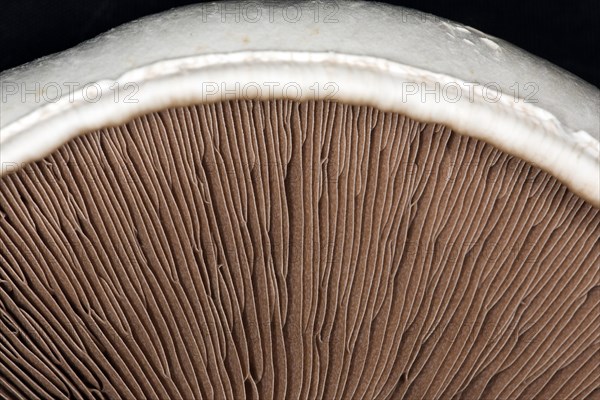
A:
{"x":367,"y":53}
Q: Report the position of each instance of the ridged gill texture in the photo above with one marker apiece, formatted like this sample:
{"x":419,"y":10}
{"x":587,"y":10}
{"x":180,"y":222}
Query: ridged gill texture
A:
{"x":284,"y":250}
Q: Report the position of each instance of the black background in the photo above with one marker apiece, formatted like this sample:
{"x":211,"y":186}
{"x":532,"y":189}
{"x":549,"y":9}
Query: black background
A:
{"x":563,"y":32}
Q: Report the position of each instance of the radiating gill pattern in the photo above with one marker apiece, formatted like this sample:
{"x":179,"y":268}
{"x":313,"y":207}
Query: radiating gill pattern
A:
{"x":286,"y":250}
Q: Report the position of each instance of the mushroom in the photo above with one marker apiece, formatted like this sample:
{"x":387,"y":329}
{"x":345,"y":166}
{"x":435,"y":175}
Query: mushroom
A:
{"x":255,"y":217}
